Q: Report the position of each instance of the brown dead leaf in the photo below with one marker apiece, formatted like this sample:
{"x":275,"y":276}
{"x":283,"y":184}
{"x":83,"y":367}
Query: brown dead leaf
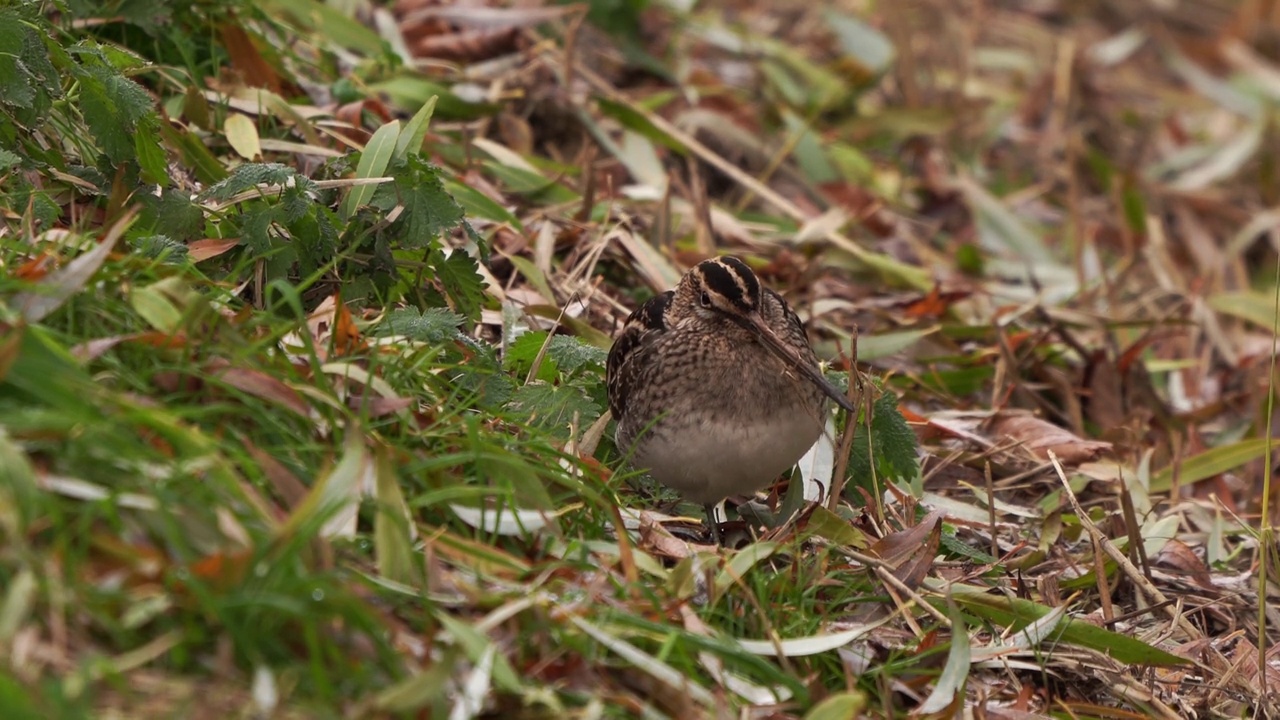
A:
{"x":36,"y":268}
{"x":346,"y":336}
{"x":466,"y":45}
{"x":200,"y":250}
{"x":658,"y":541}
{"x":934,"y":305}
{"x":254,"y":69}
{"x":261,"y":385}
{"x":374,"y":406}
{"x":909,"y":553}
{"x":221,"y":570}
{"x":1182,"y":560}
{"x":863,"y":206}
{"x":288,"y":487}
{"x":1040,"y":436}
{"x":94,"y":349}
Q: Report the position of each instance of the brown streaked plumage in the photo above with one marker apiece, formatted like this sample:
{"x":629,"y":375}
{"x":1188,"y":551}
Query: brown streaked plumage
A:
{"x":714,"y":386}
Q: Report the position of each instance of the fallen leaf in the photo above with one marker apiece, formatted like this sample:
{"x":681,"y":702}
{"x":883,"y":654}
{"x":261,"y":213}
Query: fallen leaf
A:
{"x":1040,"y":437}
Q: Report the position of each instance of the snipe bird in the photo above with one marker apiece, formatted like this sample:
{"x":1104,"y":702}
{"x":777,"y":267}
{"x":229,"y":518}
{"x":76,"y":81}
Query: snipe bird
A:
{"x":714,"y":386}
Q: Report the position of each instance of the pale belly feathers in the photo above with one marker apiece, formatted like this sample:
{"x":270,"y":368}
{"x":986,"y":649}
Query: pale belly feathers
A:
{"x":707,"y":460}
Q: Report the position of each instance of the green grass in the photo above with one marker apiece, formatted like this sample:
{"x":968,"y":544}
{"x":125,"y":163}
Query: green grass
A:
{"x":259,"y":415}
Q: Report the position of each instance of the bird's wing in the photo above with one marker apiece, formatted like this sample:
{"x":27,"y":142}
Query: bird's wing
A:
{"x":640,"y":328}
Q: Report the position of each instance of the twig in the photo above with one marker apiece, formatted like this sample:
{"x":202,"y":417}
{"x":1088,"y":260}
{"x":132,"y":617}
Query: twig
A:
{"x":1133,"y":573}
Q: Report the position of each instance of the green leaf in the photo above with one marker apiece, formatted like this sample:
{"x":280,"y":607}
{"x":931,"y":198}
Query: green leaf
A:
{"x":251,"y":175}
{"x":410,"y":140}
{"x":635,"y":121}
{"x":193,"y":153}
{"x":950,"y":684}
{"x":841,"y":706}
{"x":335,"y":497}
{"x":15,"y":80}
{"x":156,"y":308}
{"x":392,"y":526}
{"x":28,"y":80}
{"x":112,"y":106}
{"x":565,"y":354}
{"x":553,"y":406}
{"x":1256,"y":307}
{"x":459,"y":277}
{"x":522,"y":353}
{"x":537,"y":187}
{"x":329,"y":24}
{"x":373,"y":163}
{"x":893,"y":445}
{"x":429,"y":210}
{"x":571,"y":354}
{"x":872,"y":347}
{"x":172,"y":214}
{"x":151,"y":159}
{"x":17,"y":702}
{"x":477,"y":204}
{"x":1015,"y":614}
{"x":19,"y":489}
{"x":862,"y":43}
{"x":1211,"y":462}
{"x":435,"y":325}
{"x":412,"y":91}
{"x":159,"y":246}
{"x":999,"y":226}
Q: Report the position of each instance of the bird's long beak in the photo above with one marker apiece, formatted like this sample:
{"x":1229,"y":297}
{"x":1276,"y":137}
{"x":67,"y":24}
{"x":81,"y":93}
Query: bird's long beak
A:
{"x":788,"y":355}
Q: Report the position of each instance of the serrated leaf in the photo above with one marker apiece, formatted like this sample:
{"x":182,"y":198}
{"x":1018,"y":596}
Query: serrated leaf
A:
{"x":15,"y":80}
{"x":28,"y":80}
{"x":459,"y":276}
{"x":521,"y":353}
{"x":553,"y":407}
{"x":571,"y":354}
{"x":112,"y":105}
{"x":250,"y":176}
{"x":892,"y":445}
{"x":8,"y":159}
{"x":429,"y":210}
{"x":435,"y":325}
{"x":160,"y":246}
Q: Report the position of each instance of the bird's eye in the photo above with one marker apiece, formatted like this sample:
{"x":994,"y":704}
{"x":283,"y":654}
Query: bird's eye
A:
{"x":706,"y":299}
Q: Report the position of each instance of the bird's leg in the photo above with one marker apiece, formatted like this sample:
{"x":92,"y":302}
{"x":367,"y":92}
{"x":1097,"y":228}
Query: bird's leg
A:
{"x":712,"y":524}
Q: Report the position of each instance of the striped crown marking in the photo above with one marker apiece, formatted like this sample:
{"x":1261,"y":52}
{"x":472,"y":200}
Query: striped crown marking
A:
{"x":731,"y":279}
